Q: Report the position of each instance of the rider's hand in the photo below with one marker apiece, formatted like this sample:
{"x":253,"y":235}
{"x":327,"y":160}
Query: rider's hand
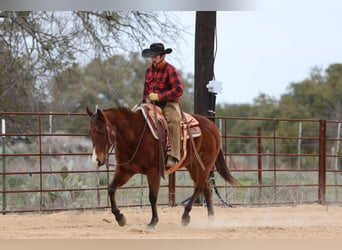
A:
{"x":153,"y":97}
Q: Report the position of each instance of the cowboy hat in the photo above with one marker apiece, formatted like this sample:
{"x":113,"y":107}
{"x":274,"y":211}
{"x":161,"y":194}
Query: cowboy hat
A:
{"x":155,"y":49}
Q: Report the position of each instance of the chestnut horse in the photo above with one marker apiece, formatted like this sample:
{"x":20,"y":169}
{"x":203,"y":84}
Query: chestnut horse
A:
{"x":137,"y":151}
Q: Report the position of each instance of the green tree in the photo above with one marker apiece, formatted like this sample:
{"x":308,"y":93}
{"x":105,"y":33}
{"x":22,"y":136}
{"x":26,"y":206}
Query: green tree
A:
{"x":16,"y":84}
{"x":117,"y":81}
{"x":333,"y":92}
{"x":17,"y":92}
{"x":318,"y":97}
{"x":46,"y":43}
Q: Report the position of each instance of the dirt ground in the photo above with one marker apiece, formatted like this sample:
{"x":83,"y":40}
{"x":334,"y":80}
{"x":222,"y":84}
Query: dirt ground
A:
{"x":297,"y":222}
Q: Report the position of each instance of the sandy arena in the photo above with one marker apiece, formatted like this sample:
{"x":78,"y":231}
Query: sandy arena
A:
{"x":298,"y":222}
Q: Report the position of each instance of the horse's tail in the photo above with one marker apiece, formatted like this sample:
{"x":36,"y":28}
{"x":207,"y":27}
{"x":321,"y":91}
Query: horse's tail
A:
{"x":223,"y":170}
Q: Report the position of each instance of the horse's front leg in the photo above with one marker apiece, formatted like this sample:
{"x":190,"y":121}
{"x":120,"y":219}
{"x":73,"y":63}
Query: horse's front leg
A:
{"x":119,"y":217}
{"x":153,"y":182}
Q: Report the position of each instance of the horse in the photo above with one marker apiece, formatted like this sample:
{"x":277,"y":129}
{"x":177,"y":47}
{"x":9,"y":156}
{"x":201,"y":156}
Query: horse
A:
{"x":137,"y":152}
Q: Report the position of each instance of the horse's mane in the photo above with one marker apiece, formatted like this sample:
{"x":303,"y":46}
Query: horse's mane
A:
{"x":119,"y":109}
{"x":122,"y":113}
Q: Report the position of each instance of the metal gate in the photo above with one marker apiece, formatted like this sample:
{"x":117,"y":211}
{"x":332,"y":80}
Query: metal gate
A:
{"x":46,"y":165}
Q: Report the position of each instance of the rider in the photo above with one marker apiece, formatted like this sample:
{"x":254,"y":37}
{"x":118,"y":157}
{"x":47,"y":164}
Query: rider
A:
{"x":163,"y":86}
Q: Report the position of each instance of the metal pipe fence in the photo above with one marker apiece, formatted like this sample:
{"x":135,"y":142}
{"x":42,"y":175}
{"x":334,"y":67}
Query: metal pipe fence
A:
{"x":46,"y":165}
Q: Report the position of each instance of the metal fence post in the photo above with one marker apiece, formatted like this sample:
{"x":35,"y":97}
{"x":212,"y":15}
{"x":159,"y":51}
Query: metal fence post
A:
{"x":3,"y":131}
{"x":40,"y":163}
{"x":321,"y":161}
{"x":259,"y":164}
{"x":172,"y":189}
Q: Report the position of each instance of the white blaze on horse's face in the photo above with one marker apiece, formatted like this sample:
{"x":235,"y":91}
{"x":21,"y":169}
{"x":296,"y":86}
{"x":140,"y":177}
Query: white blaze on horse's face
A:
{"x":94,"y":157}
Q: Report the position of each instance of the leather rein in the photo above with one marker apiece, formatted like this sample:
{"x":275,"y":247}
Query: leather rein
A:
{"x":112,"y":146}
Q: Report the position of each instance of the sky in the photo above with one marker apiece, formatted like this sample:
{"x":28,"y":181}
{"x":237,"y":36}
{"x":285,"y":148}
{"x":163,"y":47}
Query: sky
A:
{"x":267,"y":49}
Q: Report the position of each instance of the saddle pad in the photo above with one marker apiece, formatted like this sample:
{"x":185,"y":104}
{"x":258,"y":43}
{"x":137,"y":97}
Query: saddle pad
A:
{"x":152,"y":116}
{"x":193,"y":125}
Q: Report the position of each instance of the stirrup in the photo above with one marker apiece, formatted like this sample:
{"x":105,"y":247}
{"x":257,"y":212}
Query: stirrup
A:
{"x":171,"y":161}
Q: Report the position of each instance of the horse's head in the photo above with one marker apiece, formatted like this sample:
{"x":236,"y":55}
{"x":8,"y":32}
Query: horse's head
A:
{"x":100,"y":136}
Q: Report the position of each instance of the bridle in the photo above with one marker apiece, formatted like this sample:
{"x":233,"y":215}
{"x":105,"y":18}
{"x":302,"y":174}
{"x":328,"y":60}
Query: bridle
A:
{"x":112,"y":146}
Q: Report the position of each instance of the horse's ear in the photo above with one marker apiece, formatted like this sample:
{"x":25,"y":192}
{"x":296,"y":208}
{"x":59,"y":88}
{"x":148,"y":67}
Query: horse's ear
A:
{"x":89,"y":112}
{"x":100,"y":115}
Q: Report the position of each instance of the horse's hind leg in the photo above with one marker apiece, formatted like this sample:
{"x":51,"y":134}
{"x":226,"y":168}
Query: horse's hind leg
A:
{"x":208,"y":198}
{"x":188,"y":207}
{"x":203,"y":188}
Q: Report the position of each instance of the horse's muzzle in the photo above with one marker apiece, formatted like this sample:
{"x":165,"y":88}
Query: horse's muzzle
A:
{"x":96,"y":160}
{"x":99,"y":163}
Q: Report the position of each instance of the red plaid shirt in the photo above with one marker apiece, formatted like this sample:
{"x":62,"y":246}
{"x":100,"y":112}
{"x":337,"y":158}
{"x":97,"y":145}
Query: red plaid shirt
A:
{"x":165,"y":82}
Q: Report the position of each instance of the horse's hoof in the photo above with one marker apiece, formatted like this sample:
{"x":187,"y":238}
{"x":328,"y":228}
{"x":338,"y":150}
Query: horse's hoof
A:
{"x":150,"y":227}
{"x":152,"y":224}
{"x":185,"y":221}
{"x":122,"y":221}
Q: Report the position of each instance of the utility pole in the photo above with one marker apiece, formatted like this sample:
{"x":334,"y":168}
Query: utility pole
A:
{"x":205,"y":101}
{"x":204,"y":61}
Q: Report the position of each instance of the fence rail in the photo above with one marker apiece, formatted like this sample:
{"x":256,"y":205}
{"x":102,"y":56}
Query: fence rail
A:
{"x":46,"y":165}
